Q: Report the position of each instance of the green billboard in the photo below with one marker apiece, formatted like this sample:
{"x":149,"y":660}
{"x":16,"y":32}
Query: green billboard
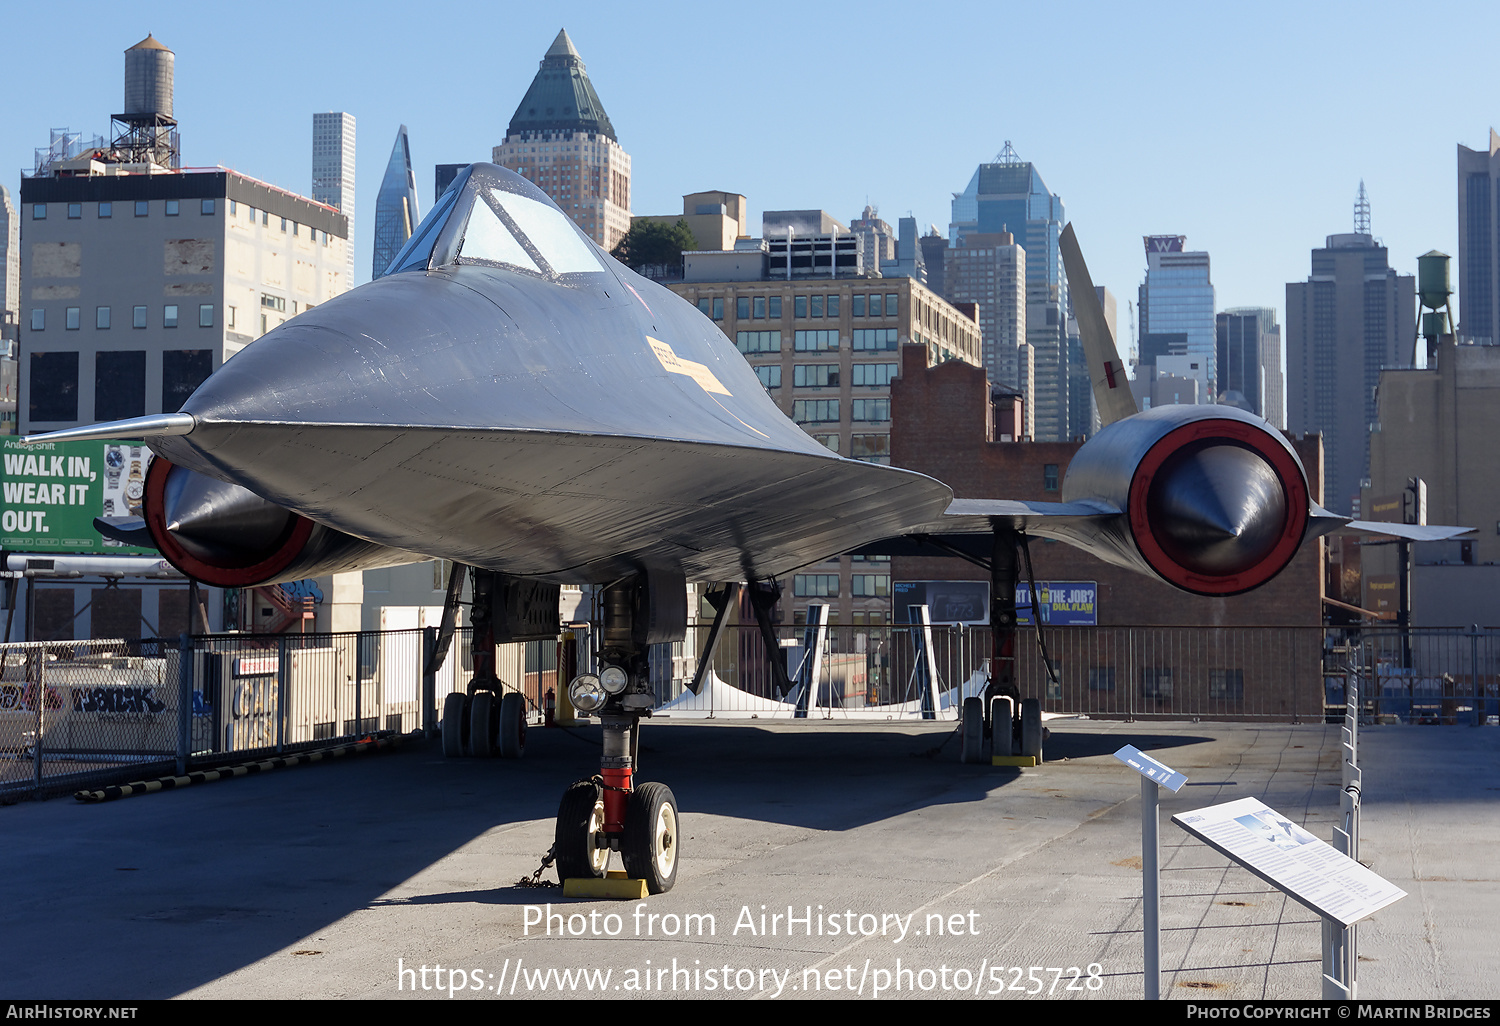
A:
{"x":53,"y":492}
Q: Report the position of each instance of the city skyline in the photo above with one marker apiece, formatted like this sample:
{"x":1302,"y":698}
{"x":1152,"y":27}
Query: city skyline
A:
{"x":1122,"y":176}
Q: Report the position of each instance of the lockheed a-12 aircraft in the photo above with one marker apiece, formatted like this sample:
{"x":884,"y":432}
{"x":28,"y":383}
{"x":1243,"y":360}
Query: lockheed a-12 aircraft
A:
{"x":509,"y":397}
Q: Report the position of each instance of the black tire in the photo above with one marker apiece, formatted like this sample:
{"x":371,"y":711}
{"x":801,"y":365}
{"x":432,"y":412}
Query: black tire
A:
{"x":482,"y":717}
{"x":1031,"y":727}
{"x":512,"y":726}
{"x":652,"y":841}
{"x":580,"y":817}
{"x":454,"y":726}
{"x":971,"y":732}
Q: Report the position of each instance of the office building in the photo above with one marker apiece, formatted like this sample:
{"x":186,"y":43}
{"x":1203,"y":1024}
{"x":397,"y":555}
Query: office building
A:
{"x":1177,"y":298}
{"x":1352,"y":318}
{"x":562,"y":140}
{"x":933,"y":246}
{"x":825,"y":343}
{"x":396,"y":211}
{"x":1010,"y":196}
{"x":717,"y":219}
{"x":1083,"y":412}
{"x":1479,"y":243}
{"x":990,"y":269}
{"x":1439,"y":423}
{"x":1248,"y":359}
{"x":333,"y":171}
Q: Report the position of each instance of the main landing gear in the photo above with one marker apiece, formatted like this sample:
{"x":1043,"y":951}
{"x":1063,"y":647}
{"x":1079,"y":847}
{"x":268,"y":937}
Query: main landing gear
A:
{"x":612,"y":811}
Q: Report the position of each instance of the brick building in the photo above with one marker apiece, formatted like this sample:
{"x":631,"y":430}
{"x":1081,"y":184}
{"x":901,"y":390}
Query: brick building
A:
{"x":943,"y":423}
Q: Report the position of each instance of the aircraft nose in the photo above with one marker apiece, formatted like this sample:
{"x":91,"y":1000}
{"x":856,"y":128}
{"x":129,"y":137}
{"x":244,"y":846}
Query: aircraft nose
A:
{"x":376,"y":352}
{"x":1217,"y":509}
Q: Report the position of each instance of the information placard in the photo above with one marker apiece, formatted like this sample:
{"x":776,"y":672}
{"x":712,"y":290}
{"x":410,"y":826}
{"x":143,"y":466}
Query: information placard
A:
{"x":1280,"y":852}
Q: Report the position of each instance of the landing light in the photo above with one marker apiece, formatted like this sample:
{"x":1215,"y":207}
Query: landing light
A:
{"x":614,"y":679}
{"x":586,"y":693}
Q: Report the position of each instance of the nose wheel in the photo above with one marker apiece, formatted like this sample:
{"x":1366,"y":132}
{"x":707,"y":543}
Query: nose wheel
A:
{"x":649,"y":847}
{"x":581,"y":847}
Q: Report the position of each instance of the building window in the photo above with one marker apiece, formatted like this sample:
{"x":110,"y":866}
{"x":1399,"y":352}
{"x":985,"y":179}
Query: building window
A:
{"x":39,"y":211}
{"x":742,"y":307}
{"x":856,"y":306}
{"x":1226,"y":685}
{"x":296,"y":228}
{"x":815,"y":411}
{"x":75,"y":211}
{"x":101,"y":317}
{"x":718,"y":308}
{"x":833,"y":306}
{"x":206,"y":207}
{"x":891,"y":300}
{"x":873,"y":375}
{"x":38,"y":320}
{"x":815,"y":585}
{"x":73,"y":318}
{"x":760,"y":308}
{"x":1156,"y":682}
{"x":106,"y":210}
{"x":829,"y":442}
{"x":875,"y":339}
{"x":138,"y":317}
{"x":816,"y":375}
{"x":770,"y":375}
{"x":870,"y":585}
{"x":283,"y":224}
{"x":234,"y":208}
{"x":816,"y":341}
{"x":142,"y":208}
{"x":171,"y":208}
{"x":230,"y":318}
{"x":799,"y":306}
{"x":871,"y":449}
{"x":54,"y":386}
{"x":265,"y":218}
{"x":182,"y":371}
{"x":816,"y":306}
{"x":758,"y":341}
{"x":206,"y":315}
{"x":119,"y":385}
{"x":872,"y":410}
{"x":775,"y":302}
{"x":1049,"y":477}
{"x":277,"y":303}
{"x":169,"y":316}
{"x":706,"y":307}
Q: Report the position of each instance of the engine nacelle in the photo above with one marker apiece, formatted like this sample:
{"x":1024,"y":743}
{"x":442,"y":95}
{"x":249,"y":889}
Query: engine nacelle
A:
{"x":227,"y":536}
{"x":1216,"y":500}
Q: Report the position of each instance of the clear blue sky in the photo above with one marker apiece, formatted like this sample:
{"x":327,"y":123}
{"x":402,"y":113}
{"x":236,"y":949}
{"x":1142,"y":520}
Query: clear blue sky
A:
{"x":1245,"y":127}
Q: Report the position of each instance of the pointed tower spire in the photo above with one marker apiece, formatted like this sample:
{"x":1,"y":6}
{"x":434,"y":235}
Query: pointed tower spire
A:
{"x":1362,"y":211}
{"x":562,"y":46}
{"x":561,"y":97}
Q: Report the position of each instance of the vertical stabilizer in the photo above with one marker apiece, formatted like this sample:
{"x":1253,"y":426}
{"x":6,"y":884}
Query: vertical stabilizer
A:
{"x":1106,"y":372}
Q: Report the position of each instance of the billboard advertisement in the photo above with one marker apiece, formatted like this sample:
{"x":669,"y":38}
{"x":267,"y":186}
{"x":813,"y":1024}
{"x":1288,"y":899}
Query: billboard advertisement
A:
{"x":1062,"y":603}
{"x":53,"y":492}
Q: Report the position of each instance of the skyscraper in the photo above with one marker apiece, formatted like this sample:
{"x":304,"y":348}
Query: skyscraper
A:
{"x":1249,"y":361}
{"x":1010,"y":196}
{"x":1479,"y":243}
{"x":990,"y":270}
{"x":561,"y":139}
{"x":1349,"y":320}
{"x":396,"y":214}
{"x":10,"y":247}
{"x":333,"y":170}
{"x":1177,"y":298}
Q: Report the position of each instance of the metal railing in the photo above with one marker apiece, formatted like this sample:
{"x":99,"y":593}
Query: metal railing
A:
{"x":76,"y":712}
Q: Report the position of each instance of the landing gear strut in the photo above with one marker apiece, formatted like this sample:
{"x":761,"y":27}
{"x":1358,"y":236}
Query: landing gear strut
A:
{"x":613,"y":812}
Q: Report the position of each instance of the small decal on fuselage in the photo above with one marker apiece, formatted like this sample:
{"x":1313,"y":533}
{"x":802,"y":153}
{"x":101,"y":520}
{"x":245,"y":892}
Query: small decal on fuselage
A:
{"x":677,"y":365}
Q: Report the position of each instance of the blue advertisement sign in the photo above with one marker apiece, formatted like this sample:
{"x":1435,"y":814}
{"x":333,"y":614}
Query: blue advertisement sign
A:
{"x":1062,"y":603}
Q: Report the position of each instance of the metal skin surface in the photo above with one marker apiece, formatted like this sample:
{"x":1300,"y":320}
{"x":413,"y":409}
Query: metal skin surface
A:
{"x":574,"y":427}
{"x":548,"y":413}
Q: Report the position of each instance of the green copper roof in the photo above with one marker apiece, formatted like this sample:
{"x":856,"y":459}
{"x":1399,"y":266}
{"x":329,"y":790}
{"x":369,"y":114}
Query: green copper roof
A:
{"x":561,"y":98}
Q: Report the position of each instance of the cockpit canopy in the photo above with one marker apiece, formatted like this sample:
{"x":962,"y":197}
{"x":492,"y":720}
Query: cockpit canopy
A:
{"x":496,"y":218}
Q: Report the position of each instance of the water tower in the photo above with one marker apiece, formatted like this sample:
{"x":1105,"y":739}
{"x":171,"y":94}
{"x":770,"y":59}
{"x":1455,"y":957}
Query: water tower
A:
{"x":147,"y":132}
{"x":1434,"y":287}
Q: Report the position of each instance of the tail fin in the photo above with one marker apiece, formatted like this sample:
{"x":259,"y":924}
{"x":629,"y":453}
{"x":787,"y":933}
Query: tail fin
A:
{"x":1106,"y":371}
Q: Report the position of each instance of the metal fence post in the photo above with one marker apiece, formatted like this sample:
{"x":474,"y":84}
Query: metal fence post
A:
{"x":283,"y":674}
{"x":184,"y":700}
{"x":41,"y":719}
{"x":429,"y":681}
{"x":359,"y":680}
{"x":1474,"y":673}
